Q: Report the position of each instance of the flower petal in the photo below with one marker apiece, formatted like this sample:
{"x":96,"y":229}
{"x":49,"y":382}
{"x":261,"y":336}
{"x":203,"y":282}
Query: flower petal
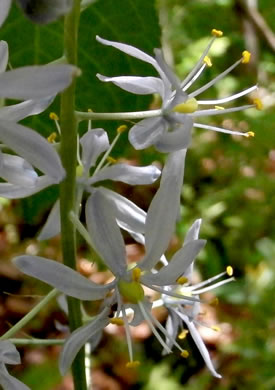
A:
{"x":93,"y":143}
{"x":177,"y":265}
{"x":8,"y":382}
{"x":4,"y":49}
{"x":105,"y":233}
{"x":36,"y":82}
{"x":128,"y":174}
{"x":9,"y":353}
{"x":163,"y":211}
{"x":52,"y":226}
{"x":14,"y":191}
{"x":135,"y":84}
{"x":200,"y":344}
{"x":4,"y":10}
{"x":17,"y":171}
{"x":33,"y":147}
{"x":16,"y":112}
{"x":193,"y":232}
{"x":79,"y":337}
{"x":176,"y":139}
{"x":147,"y":132}
{"x":61,"y":277}
{"x":129,"y":216}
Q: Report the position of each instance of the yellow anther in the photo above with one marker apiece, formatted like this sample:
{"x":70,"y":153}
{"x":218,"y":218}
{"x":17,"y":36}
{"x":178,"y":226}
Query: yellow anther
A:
{"x":79,"y":170}
{"x":219,"y":108}
{"x":216,"y":328}
{"x":207,"y":61}
{"x":117,"y":321}
{"x":54,"y":116}
{"x":250,"y":134}
{"x":246,"y":57}
{"x":133,"y":364}
{"x":121,"y":129}
{"x":184,"y":354}
{"x":217,"y":33}
{"x":52,"y":137}
{"x":188,"y":107}
{"x":183,"y":334}
{"x":258,"y":103}
{"x":90,"y":110}
{"x":229,"y":270}
{"x":136,"y":273}
{"x":214,"y":302}
{"x":182,"y":280}
{"x":111,"y":160}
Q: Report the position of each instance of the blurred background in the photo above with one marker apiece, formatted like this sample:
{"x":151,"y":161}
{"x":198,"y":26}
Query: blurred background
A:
{"x":229,"y":183}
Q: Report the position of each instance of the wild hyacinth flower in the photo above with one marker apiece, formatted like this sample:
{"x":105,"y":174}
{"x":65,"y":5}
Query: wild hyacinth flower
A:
{"x":9,"y":355}
{"x":127,"y":287}
{"x":39,"y":84}
{"x":93,"y":143}
{"x":186,"y":312}
{"x":170,"y":129}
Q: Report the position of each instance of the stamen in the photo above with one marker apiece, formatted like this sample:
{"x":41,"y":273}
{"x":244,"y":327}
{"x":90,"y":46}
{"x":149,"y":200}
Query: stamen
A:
{"x":213,"y":286}
{"x":221,"y":130}
{"x":216,"y":328}
{"x":52,"y":137}
{"x":182,"y":280}
{"x":127,"y":331}
{"x":219,"y":108}
{"x":246,"y":57}
{"x":228,"y":98}
{"x":117,"y":321}
{"x":133,"y":364}
{"x":184,"y":354}
{"x":89,"y":121}
{"x":54,"y":116}
{"x":229,"y":270}
{"x":216,"y":33}
{"x":258,"y":103}
{"x":250,"y":134}
{"x":121,"y":129}
{"x":207,"y":61}
{"x":172,"y":294}
{"x":183,"y":334}
{"x":111,"y":160}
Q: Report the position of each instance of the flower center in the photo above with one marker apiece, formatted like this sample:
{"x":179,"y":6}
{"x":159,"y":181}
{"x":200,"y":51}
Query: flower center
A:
{"x":131,"y":291}
{"x":188,"y":107}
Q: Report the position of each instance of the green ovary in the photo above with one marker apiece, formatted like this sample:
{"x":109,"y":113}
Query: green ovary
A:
{"x":188,"y":107}
{"x":131,"y":291}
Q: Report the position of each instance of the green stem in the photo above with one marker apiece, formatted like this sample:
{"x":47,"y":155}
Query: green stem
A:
{"x":118,"y":115}
{"x":37,"y":342}
{"x":68,"y":151}
{"x":20,"y":324}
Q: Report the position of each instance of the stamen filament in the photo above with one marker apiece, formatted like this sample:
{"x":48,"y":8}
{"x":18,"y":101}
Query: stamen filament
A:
{"x":172,"y":294}
{"x":219,"y":129}
{"x":213,"y":286}
{"x":221,"y":111}
{"x":228,"y":98}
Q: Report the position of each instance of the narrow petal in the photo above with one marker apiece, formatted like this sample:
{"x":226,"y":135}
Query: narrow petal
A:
{"x":137,"y":85}
{"x":177,"y":265}
{"x":19,"y":111}
{"x":9,"y":353}
{"x":4,"y":10}
{"x":138,"y":315}
{"x":36,"y":82}
{"x":79,"y":337}
{"x":8,"y":382}
{"x":177,"y":139}
{"x":128,"y":174}
{"x":200,"y":344}
{"x":193,"y":232}
{"x":14,"y":191}
{"x":33,"y":147}
{"x":61,"y":277}
{"x":146,"y":132}
{"x":129,"y":216}
{"x":172,"y":328}
{"x":93,"y":143}
{"x":4,"y":50}
{"x":163,"y":211}
{"x":52,"y":226}
{"x":17,"y":171}
{"x":105,"y":233}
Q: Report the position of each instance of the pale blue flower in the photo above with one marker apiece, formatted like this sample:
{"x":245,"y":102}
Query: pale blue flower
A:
{"x":93,"y":143}
{"x":9,"y":355}
{"x":187,"y":312}
{"x":171,"y":130}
